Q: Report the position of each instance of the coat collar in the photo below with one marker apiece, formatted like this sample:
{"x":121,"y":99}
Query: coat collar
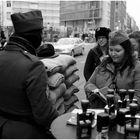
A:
{"x":98,"y":51}
{"x":110,"y":67}
{"x":19,"y":43}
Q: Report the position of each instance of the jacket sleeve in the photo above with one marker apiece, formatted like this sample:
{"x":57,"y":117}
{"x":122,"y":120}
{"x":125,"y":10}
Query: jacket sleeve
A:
{"x":89,"y":65}
{"x":42,"y":109}
{"x":137,"y":84}
{"x":91,"y":83}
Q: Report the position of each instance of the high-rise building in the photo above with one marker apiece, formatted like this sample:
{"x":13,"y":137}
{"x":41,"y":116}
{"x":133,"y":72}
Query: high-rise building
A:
{"x":118,"y":19}
{"x":83,"y":16}
{"x":50,"y":10}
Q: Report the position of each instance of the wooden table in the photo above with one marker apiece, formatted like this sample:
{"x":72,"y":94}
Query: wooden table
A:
{"x":61,"y":130}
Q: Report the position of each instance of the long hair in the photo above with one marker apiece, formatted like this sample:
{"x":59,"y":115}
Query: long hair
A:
{"x":128,"y":61}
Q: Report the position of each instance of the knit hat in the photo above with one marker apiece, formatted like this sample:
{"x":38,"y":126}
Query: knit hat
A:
{"x":47,"y":50}
{"x":26,"y":22}
{"x":102,"y":31}
{"x":117,"y":37}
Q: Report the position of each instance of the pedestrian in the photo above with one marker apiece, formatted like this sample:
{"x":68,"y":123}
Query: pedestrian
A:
{"x":3,"y":39}
{"x":121,"y":70}
{"x":25,"y":110}
{"x":135,"y":41}
{"x":98,"y":52}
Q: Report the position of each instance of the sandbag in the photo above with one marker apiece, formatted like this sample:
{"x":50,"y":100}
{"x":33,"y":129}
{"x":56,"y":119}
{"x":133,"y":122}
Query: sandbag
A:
{"x":56,"y":93}
{"x":55,"y":80}
{"x":71,"y":79}
{"x":58,"y":64}
{"x":70,"y":91}
{"x":70,"y":70}
{"x":59,"y":102}
{"x":61,"y":109}
{"x":71,"y":108}
{"x":52,"y":66}
{"x":70,"y":102}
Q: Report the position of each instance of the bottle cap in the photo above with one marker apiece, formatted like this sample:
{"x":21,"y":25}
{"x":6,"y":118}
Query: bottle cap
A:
{"x":84,"y":105}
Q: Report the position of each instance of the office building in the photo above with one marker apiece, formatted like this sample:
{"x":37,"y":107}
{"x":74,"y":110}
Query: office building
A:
{"x":84,"y":16}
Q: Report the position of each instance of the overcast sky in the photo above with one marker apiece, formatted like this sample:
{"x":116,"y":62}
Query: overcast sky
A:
{"x":133,"y":8}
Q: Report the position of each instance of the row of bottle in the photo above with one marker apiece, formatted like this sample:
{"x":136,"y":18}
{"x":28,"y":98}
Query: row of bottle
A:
{"x":110,"y":115}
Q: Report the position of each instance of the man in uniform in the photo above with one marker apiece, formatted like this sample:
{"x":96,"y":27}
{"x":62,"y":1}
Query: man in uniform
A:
{"x":25,"y":111}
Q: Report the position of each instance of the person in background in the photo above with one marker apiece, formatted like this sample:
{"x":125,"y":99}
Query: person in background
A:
{"x":3,"y":39}
{"x":121,"y":70}
{"x":25,"y":110}
{"x":135,"y":40}
{"x":98,"y":52}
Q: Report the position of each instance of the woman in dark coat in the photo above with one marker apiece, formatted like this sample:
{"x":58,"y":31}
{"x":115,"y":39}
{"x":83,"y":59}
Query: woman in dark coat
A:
{"x":3,"y":39}
{"x":98,"y":52}
{"x":25,"y":111}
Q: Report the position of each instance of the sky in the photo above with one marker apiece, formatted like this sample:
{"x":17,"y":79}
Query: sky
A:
{"x":133,"y":8}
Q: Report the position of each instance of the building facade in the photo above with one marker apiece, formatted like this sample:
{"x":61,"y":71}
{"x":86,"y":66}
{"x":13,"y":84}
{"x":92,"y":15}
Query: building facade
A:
{"x":50,"y":11}
{"x":84,"y":16}
{"x":118,"y":15}
{"x":79,"y":16}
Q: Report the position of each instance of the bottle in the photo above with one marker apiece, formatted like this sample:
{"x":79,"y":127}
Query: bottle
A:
{"x":122,"y":94}
{"x":83,"y":126}
{"x":132,"y":128}
{"x":131,"y":95}
{"x":102,"y":125}
{"x":110,"y":108}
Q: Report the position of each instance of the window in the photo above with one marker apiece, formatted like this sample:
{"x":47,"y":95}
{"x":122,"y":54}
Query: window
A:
{"x":8,"y":15}
{"x":8,"y":3}
{"x":117,"y":5}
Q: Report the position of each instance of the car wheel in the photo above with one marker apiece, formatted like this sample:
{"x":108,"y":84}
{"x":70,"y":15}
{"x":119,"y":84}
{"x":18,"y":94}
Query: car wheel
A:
{"x":72,"y":53}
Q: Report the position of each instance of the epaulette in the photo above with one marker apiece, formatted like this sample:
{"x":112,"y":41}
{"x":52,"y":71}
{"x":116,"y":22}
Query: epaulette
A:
{"x":30,"y":56}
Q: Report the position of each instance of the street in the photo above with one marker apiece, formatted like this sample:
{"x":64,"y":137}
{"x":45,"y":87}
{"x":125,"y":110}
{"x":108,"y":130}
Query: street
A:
{"x":80,"y":64}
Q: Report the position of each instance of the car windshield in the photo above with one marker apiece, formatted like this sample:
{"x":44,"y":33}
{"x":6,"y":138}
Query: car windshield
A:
{"x":66,"y":41}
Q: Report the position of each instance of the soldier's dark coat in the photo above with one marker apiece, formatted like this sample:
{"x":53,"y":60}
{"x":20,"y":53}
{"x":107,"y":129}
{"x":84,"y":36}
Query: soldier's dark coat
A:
{"x":25,"y":111}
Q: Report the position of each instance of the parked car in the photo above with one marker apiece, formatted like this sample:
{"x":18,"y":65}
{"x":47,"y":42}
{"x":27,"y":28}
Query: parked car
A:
{"x":71,"y":46}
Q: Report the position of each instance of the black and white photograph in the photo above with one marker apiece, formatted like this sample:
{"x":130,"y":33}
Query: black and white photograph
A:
{"x":69,"y":69}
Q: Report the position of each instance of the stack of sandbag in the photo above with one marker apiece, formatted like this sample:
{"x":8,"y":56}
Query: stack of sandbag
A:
{"x":56,"y":84}
{"x":69,"y":69}
{"x":61,"y":72}
{"x":61,"y":77}
{"x":70,"y":78}
{"x":57,"y":89}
